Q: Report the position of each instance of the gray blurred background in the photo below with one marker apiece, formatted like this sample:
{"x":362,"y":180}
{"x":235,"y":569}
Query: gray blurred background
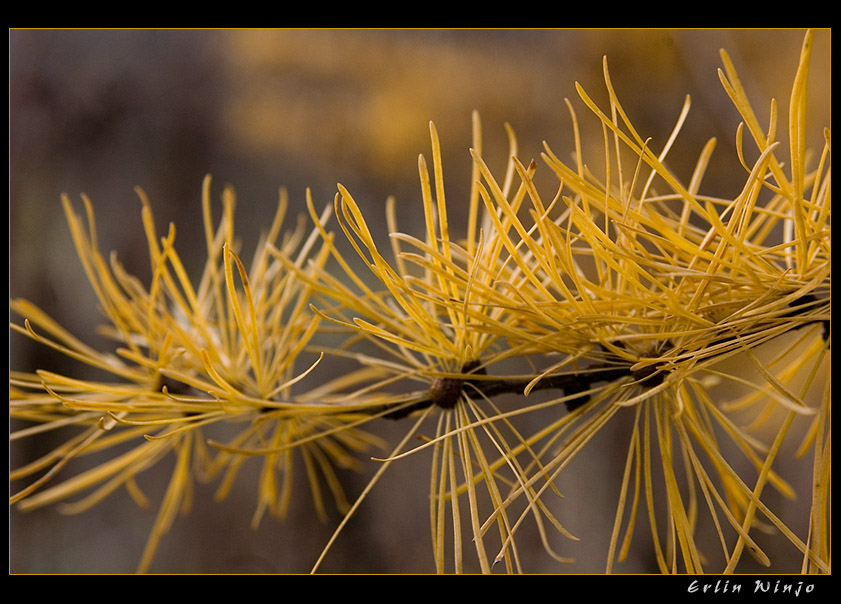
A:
{"x":100,"y":112}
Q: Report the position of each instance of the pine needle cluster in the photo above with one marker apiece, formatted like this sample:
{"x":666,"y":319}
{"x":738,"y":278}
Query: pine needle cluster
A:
{"x":624,"y":294}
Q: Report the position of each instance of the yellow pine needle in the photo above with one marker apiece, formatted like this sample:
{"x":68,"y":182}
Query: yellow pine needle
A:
{"x":380,"y":471}
{"x":67,"y":343}
{"x":176,"y":498}
{"x":248,"y":328}
{"x":632,"y":460}
{"x":466,"y":444}
{"x":106,"y":362}
{"x":139,"y":457}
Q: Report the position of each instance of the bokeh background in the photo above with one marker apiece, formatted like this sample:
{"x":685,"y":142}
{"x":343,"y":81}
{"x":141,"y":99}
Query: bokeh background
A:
{"x":102,"y":111}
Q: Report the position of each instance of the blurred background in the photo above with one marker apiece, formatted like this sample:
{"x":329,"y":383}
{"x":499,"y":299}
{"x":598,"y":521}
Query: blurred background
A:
{"x":98,"y":112}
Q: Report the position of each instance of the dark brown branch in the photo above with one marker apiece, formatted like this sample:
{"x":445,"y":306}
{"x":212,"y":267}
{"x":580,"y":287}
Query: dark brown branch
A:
{"x":445,"y":391}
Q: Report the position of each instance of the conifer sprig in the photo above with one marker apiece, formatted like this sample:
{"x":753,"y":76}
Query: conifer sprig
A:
{"x":633,"y":298}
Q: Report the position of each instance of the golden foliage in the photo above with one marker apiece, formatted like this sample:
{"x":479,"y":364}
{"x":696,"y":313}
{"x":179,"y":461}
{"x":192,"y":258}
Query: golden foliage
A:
{"x":639,"y":297}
